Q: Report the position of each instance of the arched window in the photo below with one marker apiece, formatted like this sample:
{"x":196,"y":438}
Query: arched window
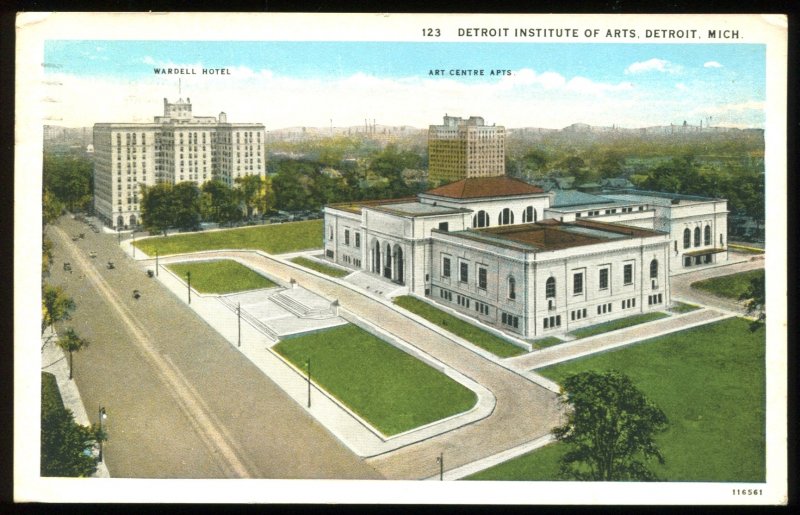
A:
{"x":687,"y":238}
{"x":696,"y":236}
{"x":481,"y":219}
{"x":654,"y":269}
{"x":707,"y":235}
{"x":506,"y":217}
{"x":512,"y":288}
{"x":550,"y":287}
{"x":529,"y":215}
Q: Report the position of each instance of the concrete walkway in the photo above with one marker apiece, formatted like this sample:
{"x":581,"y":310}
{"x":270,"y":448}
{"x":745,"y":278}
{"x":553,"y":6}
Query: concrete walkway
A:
{"x":613,"y":339}
{"x":356,"y":433}
{"x":54,"y":361}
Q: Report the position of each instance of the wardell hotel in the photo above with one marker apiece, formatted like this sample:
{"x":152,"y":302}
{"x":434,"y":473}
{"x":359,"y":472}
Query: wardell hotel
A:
{"x":519,"y":259}
{"x":177,"y":147}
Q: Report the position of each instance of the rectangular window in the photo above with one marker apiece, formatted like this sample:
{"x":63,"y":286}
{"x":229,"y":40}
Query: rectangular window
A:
{"x":628,"y":274}
{"x":358,"y":240}
{"x":482,"y":278}
{"x":347,"y":237}
{"x":444,"y":226}
{"x":577,"y":283}
{"x":546,"y":322}
{"x":603,"y":278}
{"x":445,"y":267}
{"x":464,"y":272}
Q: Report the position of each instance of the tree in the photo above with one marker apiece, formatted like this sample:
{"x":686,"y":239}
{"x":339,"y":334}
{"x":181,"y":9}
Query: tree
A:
{"x":609,"y":429}
{"x":185,"y":202}
{"x":223,"y":206}
{"x":755,"y":295}
{"x":250,"y":189}
{"x":156,"y":207}
{"x":69,"y":178}
{"x":71,"y":342}
{"x":66,"y":449}
{"x":56,"y":305}
{"x":51,"y":208}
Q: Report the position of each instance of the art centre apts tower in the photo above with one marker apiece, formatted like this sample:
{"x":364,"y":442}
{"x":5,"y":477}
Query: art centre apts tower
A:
{"x":462,"y":149}
{"x":176,"y":147}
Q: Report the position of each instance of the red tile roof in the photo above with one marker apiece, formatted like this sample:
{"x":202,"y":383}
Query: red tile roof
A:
{"x":479,"y":187}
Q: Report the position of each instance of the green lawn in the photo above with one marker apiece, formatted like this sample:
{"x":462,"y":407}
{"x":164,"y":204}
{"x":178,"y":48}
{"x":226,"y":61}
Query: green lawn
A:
{"x":223,"y":276}
{"x":730,"y":286}
{"x":682,"y":307}
{"x":389,"y":388}
{"x":273,"y":239}
{"x":620,"y":323}
{"x":548,"y":341}
{"x":51,"y":397}
{"x":469,"y":332}
{"x":710,"y":382}
{"x":320,"y":267}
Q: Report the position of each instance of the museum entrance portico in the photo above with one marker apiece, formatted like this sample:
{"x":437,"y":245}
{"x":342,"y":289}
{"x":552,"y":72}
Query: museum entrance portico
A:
{"x":387,"y":259}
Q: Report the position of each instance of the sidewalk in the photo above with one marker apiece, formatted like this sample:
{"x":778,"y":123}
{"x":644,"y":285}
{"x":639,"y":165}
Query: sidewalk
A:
{"x":613,"y":339}
{"x":55,"y":362}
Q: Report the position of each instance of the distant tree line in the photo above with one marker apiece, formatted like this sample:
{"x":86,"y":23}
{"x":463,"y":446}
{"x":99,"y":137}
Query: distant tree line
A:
{"x":726,"y":165}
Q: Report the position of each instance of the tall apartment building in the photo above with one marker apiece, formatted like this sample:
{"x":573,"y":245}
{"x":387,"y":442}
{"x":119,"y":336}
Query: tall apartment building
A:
{"x":176,"y":147}
{"x":465,"y":149}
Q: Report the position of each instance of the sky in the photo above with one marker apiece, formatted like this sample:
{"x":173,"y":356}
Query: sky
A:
{"x":317,"y":84}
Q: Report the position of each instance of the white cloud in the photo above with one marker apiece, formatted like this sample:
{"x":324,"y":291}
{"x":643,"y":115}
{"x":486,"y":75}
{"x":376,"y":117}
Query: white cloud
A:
{"x":712,"y":64}
{"x":658,"y":65}
{"x":587,"y":86}
{"x":525,"y":98}
{"x":681,"y":86}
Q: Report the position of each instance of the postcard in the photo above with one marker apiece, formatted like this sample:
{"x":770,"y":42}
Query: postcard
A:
{"x":396,"y":258}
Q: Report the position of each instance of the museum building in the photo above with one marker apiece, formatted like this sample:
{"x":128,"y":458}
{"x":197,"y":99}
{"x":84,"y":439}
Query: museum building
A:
{"x":526,"y":261}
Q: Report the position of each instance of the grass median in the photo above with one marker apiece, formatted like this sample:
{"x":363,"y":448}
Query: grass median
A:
{"x":320,"y":267}
{"x":709,"y":381}
{"x":391,"y":389}
{"x":272,"y":239}
{"x":620,"y":323}
{"x":220,"y":277}
{"x":458,"y":327}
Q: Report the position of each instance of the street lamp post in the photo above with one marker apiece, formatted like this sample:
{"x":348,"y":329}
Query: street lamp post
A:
{"x":189,"y":285}
{"x":440,"y":461}
{"x":308,"y":369}
{"x":156,"y":263}
{"x":239,"y":323}
{"x":101,"y":415}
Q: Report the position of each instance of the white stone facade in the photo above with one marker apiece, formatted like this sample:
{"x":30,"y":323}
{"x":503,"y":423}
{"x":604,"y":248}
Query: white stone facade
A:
{"x":607,"y":258}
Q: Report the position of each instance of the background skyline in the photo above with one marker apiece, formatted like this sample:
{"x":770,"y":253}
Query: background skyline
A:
{"x":316,"y":84}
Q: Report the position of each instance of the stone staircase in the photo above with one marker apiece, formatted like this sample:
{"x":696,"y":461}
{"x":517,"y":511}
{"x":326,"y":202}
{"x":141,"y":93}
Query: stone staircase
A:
{"x":250,"y":319}
{"x":301,"y":310}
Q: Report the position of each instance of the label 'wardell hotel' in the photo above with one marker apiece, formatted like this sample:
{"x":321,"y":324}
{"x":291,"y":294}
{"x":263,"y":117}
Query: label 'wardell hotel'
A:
{"x":191,"y":71}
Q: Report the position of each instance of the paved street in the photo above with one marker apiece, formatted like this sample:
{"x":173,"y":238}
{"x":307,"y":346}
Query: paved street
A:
{"x":180,"y":401}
